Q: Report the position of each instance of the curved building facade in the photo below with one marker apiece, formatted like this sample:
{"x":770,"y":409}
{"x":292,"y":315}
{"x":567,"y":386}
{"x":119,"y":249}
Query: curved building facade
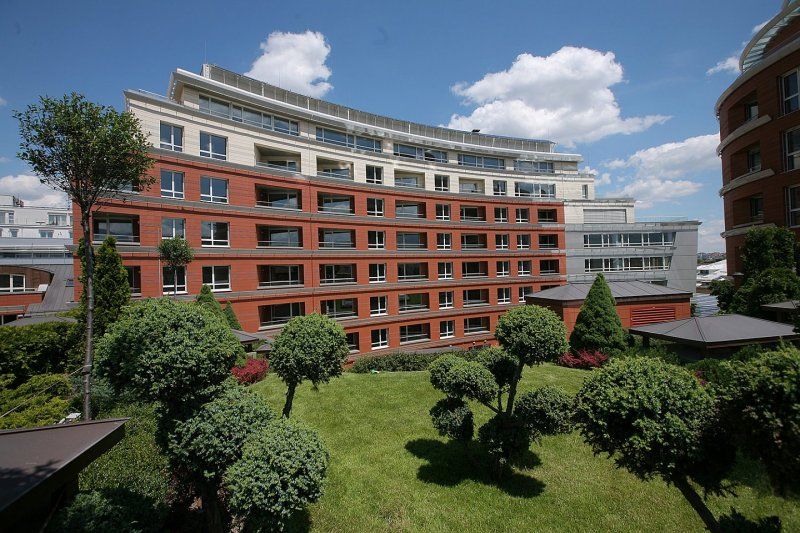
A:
{"x":413,"y":236}
{"x":759,"y":117}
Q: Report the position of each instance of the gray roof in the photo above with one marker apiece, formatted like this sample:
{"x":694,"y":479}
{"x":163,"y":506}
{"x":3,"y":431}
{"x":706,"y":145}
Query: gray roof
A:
{"x":718,"y":331}
{"x":788,"y":305}
{"x":619,"y":289}
{"x":244,"y":337}
{"x":60,"y":293}
{"x":42,"y":319}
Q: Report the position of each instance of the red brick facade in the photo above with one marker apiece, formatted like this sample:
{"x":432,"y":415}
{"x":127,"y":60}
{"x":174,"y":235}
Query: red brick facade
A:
{"x":631,"y":313}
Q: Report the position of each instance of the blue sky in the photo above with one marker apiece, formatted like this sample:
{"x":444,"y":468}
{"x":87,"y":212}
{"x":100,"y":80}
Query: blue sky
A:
{"x":625,"y":84}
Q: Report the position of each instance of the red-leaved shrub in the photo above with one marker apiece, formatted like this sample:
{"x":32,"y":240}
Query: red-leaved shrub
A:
{"x":253,"y":371}
{"x":583,"y":359}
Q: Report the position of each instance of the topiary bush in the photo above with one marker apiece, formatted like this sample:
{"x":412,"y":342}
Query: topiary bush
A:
{"x":453,"y":418}
{"x":546,"y":411}
{"x":280,"y":472}
{"x":598,"y":326}
{"x":395,"y":362}
{"x":253,"y":371}
{"x":532,"y":334}
{"x":583,"y":359}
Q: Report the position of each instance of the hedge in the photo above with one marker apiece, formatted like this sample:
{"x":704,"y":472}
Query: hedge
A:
{"x":38,"y":349}
{"x":401,"y":362}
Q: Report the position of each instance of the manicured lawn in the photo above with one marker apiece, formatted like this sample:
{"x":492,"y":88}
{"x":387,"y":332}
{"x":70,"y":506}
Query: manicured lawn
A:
{"x":390,"y":471}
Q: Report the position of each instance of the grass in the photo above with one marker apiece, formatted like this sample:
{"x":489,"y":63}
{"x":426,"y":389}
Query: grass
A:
{"x":390,"y":471}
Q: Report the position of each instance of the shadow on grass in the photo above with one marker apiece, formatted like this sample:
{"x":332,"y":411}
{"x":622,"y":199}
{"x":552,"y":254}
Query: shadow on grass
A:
{"x":300,"y":522}
{"x":736,"y":522}
{"x":450,"y":463}
{"x":751,"y":473}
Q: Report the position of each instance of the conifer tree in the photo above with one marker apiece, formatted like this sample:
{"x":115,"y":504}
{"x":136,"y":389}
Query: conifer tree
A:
{"x":230,"y":316}
{"x":598,"y":326}
{"x":207,"y":300}
{"x":112,"y":291}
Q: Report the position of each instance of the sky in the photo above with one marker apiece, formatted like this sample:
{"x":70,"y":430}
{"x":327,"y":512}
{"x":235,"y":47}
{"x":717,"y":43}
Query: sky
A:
{"x":631,"y":86}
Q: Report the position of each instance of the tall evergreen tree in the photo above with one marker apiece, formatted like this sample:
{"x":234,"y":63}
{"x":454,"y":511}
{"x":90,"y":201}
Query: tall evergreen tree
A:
{"x":207,"y":300}
{"x":112,"y":291}
{"x":598,"y":326}
{"x":230,"y":316}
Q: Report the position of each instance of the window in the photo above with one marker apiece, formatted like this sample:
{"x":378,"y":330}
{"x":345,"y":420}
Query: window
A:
{"x":377,"y":273}
{"x":12,"y":283}
{"x":547,"y":215}
{"x":522,"y":292}
{"x":473,"y":213}
{"x":413,"y":302}
{"x":622,"y":264}
{"x":218,"y":278}
{"x":442,"y":211}
{"x":412,"y":271}
{"x":172,"y":228}
{"x":376,"y":240}
{"x":214,"y":234}
{"x":213,"y":190}
{"x":585,"y":191}
{"x":279,"y":237}
{"x":343,"y":308}
{"x":171,"y":184}
{"x":482,"y":162}
{"x":335,"y":203}
{"x":473,"y":269}
{"x":124,"y":229}
{"x":501,"y":241}
{"x":524,"y":268}
{"x":174,"y":280}
{"x":352,"y":341}
{"x":504,"y":295}
{"x":473,"y":241}
{"x":535,"y":190}
{"x":279,"y":276}
{"x":523,"y":215}
{"x":792,"y":149}
{"x":271,"y":315}
{"x":750,"y":111}
{"x":523,"y":242}
{"x":754,"y":159}
{"x":45,"y":234}
{"x":548,"y":242}
{"x":14,"y":233}
{"x":334,"y":169}
{"x":441,"y":183}
{"x":444,"y":241}
{"x":446,"y":270}
{"x":548,"y":266}
{"x":479,"y":324}
{"x":474,"y":297}
{"x":446,"y":300}
{"x":793,"y":204}
{"x":609,"y":240}
{"x":171,"y":137}
{"x":54,"y":219}
{"x":380,"y":338}
{"x":470,"y":186}
{"x":374,"y":175}
{"x":447,"y":329}
{"x":416,"y":152}
{"x":6,"y":217}
{"x":336,"y":238}
{"x":499,"y":188}
{"x":409,"y":209}
{"x":252,"y":117}
{"x":411,"y":241}
{"x":790,"y":92}
{"x":278,"y":198}
{"x":537,"y":167}
{"x":375,"y":207}
{"x":213,"y":146}
{"x":377,"y":306}
{"x":407,"y":180}
{"x":414,"y":333}
{"x":351,"y":141}
{"x":501,"y":214}
{"x":333,"y":274}
{"x":503,"y":269}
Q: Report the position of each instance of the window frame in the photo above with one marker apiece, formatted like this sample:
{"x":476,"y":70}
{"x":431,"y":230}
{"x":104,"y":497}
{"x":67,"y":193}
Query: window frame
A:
{"x":213,"y":284}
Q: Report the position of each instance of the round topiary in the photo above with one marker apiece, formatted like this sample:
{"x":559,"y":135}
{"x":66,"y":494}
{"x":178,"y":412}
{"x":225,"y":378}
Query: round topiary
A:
{"x":546,"y":410}
{"x":532,"y":333}
{"x":500,"y":363}
{"x":453,"y":418}
{"x":440,"y":368}
{"x":505,"y":439}
{"x":470,"y":379}
{"x":281,"y":470}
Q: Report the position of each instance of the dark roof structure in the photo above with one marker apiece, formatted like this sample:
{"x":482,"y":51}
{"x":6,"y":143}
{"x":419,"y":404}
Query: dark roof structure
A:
{"x":791,"y":306}
{"x":37,"y":463}
{"x":244,"y":337}
{"x":60,"y":293}
{"x":720,"y":331}
{"x":41,"y":319}
{"x":573,"y":292}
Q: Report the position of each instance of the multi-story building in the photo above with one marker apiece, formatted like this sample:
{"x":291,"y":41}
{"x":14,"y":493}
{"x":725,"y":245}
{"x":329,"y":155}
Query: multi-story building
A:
{"x":413,"y":236}
{"x":760,"y":134}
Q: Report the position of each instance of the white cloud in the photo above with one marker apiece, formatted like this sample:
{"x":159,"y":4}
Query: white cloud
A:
{"x":708,"y":236}
{"x":3,"y":101}
{"x":565,"y":96}
{"x":604,"y":179}
{"x":4,"y":159}
{"x":663,"y":173}
{"x":29,"y":189}
{"x":729,"y":65}
{"x":758,"y":27}
{"x":294,"y":61}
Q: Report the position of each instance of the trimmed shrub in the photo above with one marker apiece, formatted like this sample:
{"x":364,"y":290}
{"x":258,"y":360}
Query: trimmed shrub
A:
{"x":532,"y":333}
{"x":440,"y":368}
{"x":38,"y":349}
{"x":546,"y":411}
{"x":584,"y":359}
{"x":206,"y":298}
{"x":598,"y":326}
{"x":42,"y":400}
{"x":505,"y":440}
{"x":453,"y":418}
{"x":281,"y":470}
{"x":500,"y":363}
{"x":230,"y":317}
{"x":253,"y":371}
{"x":394,"y":362}
{"x":470,"y":379}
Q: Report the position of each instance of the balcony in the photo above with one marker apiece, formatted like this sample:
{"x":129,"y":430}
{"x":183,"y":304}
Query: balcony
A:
{"x":411,"y":180}
{"x":330,"y":168}
{"x":473,"y":242}
{"x":337,"y":274}
{"x":277,"y":159}
{"x":336,"y":238}
{"x":338,"y":204}
{"x":474,"y":269}
{"x":279,"y":237}
{"x":279,"y":198}
{"x":471,"y":186}
{"x":473,"y":213}
{"x":412,"y":241}
{"x":272,"y":276}
{"x":409,"y":209}
{"x":124,"y":229}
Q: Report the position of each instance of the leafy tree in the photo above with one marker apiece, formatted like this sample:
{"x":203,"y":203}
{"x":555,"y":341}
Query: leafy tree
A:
{"x":207,"y":300}
{"x":770,"y":286}
{"x":655,"y":419}
{"x":528,"y":335}
{"x":598,"y":326}
{"x":42,"y":400}
{"x":38,"y":349}
{"x":767,"y":247}
{"x":281,"y":471}
{"x":760,"y":401}
{"x":111,"y":289}
{"x":230,"y":317}
{"x":724,"y":290}
{"x":89,"y":152}
{"x":311,"y":347}
{"x":175,"y":252}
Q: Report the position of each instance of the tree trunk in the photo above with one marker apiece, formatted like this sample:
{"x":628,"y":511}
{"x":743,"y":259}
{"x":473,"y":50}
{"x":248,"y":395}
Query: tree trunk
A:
{"x":698,"y":504}
{"x":86,"y":372}
{"x":212,"y":509}
{"x":512,"y":389}
{"x":287,"y":407}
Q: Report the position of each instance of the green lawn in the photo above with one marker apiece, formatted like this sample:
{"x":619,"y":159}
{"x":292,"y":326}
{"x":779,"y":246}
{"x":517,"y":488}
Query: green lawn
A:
{"x":390,"y":471}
